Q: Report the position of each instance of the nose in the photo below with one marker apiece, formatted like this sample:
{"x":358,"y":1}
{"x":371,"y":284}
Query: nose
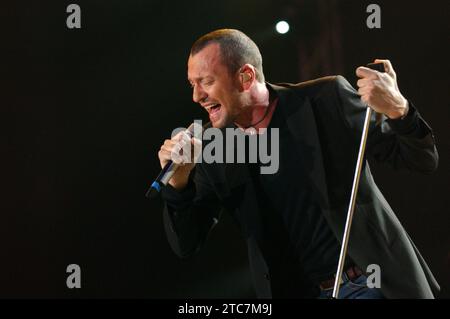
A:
{"x":198,"y":94}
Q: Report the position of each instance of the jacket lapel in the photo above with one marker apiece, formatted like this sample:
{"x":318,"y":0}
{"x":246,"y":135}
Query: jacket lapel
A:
{"x":301,"y":123}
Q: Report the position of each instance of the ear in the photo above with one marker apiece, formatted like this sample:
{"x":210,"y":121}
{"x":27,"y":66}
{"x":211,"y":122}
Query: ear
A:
{"x":247,"y":76}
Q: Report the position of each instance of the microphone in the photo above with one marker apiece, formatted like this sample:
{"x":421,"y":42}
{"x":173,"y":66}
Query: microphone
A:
{"x":194,"y":130}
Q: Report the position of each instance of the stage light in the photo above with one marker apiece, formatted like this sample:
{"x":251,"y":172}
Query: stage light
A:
{"x":282,"y":27}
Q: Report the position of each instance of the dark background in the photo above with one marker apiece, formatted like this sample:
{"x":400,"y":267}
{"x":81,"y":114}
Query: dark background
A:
{"x":84,"y":112}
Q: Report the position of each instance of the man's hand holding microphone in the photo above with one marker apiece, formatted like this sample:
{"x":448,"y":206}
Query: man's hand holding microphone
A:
{"x":178,"y":157}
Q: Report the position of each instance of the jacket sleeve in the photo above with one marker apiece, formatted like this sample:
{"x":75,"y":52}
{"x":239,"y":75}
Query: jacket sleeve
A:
{"x":190,"y":214}
{"x":406,"y":143}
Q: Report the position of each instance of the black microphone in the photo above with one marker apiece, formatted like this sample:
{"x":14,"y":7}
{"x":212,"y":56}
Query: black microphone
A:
{"x":194,"y":130}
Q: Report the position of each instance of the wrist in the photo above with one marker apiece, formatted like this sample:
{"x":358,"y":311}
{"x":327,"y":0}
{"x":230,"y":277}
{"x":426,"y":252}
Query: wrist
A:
{"x":180,"y":180}
{"x":177,"y":184}
{"x":400,"y":111}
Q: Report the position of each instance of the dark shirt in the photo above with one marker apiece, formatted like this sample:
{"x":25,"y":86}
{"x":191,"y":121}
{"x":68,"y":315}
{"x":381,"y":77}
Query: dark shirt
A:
{"x":290,"y":212}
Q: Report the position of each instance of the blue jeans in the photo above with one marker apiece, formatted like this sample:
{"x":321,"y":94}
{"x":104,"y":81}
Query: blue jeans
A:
{"x":354,"y":289}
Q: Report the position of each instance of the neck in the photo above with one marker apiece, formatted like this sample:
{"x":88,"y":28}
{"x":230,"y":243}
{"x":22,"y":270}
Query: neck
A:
{"x":260,"y":109}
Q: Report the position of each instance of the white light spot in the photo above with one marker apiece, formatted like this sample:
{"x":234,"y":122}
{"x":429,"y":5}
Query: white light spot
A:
{"x":282,"y":27}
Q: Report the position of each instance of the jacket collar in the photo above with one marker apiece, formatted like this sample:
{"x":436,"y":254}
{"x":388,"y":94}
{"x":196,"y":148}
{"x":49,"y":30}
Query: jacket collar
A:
{"x":297,"y":110}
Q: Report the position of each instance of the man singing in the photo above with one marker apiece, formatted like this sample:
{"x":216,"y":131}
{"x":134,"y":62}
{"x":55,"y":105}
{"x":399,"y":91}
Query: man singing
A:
{"x":293,"y":220}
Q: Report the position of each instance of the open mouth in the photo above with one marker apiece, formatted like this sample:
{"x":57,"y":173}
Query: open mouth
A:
{"x":213,"y":108}
{"x":214,"y":111}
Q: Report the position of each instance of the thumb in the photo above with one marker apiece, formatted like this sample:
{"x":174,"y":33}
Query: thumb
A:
{"x":387,"y":67}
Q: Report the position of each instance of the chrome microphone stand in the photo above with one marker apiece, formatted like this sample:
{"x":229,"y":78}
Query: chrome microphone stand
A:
{"x":351,"y":206}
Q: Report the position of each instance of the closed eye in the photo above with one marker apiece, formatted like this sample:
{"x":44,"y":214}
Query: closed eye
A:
{"x":207,"y":81}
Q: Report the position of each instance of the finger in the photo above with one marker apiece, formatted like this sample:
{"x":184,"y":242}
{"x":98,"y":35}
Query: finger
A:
{"x":185,"y":137}
{"x":363,"y":72}
{"x":364,"y":90}
{"x":175,"y":155}
{"x":364,"y":93}
{"x":168,"y":146}
{"x":366,"y":98}
{"x":177,"y":137}
{"x":164,"y":155}
{"x":170,"y":151}
{"x":387,"y":66}
{"x":169,"y":143}
{"x":185,"y":151}
{"x":364,"y":82}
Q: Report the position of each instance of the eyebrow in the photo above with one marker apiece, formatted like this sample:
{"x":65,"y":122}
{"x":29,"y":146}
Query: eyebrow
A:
{"x":200,"y":78}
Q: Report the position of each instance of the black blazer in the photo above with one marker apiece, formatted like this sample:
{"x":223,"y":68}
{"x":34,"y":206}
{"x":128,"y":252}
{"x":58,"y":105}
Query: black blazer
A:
{"x":326,"y":116}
